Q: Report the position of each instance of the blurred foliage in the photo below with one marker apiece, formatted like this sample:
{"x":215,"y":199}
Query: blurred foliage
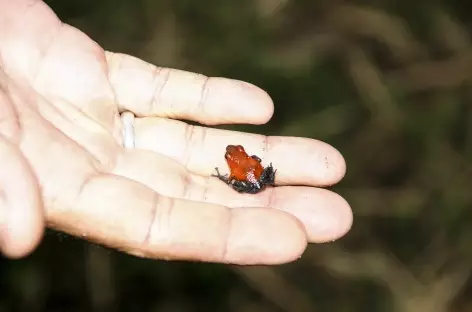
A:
{"x":387,"y":82}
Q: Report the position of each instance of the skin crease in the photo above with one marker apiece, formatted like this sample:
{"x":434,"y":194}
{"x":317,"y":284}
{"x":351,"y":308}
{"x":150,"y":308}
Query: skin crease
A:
{"x":63,"y":164}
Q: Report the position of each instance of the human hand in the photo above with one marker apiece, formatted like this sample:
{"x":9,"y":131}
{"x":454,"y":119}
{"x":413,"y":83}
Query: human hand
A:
{"x":63,"y":162}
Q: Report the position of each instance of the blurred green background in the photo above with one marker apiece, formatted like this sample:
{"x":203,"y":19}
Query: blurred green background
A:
{"x":388,"y":83}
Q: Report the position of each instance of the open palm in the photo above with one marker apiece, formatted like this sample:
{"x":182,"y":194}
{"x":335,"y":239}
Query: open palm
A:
{"x":60,"y":99}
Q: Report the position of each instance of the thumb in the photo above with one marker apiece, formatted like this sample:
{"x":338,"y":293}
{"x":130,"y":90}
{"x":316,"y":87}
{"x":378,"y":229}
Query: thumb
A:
{"x":21,"y":207}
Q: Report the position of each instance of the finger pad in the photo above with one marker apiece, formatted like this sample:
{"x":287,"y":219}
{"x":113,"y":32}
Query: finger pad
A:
{"x":325,"y":214}
{"x":260,"y":235}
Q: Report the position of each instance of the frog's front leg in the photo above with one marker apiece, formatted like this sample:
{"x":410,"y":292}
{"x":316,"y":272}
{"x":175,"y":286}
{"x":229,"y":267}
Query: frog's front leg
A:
{"x":223,"y":178}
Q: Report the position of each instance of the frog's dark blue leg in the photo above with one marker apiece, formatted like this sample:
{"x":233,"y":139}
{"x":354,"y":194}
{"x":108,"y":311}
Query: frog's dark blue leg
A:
{"x":223,"y":178}
{"x":240,"y":186}
{"x":268,"y":175}
{"x":246,"y":187}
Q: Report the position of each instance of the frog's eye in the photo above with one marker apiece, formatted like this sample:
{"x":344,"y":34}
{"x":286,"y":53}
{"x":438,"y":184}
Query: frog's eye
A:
{"x":240,"y":148}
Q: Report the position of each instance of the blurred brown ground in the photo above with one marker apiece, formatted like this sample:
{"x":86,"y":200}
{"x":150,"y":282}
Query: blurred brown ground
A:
{"x":388,"y":83}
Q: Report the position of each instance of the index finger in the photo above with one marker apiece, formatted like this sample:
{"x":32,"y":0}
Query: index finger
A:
{"x":148,"y":90}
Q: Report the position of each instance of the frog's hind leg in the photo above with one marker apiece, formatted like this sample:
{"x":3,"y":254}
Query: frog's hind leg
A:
{"x":245,"y":187}
{"x":268,"y":175}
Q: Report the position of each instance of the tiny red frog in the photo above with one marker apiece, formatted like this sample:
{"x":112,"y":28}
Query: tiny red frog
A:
{"x":247,"y":175}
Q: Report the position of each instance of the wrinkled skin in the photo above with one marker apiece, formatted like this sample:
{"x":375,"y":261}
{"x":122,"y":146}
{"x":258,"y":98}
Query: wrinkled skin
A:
{"x":247,"y":175}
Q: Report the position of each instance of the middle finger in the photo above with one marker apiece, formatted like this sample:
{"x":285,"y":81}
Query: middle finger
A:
{"x":299,"y":161}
